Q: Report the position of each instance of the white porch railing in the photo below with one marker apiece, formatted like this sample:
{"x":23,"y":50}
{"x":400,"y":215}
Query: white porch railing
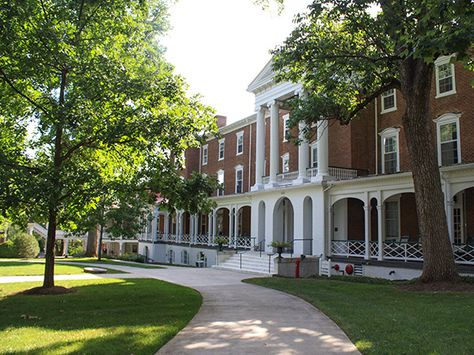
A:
{"x":243,"y":242}
{"x":338,"y":173}
{"x":404,"y":251}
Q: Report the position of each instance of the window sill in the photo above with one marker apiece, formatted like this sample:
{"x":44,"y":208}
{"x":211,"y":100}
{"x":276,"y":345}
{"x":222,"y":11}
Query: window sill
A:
{"x":239,"y":153}
{"x":447,"y":93}
{"x":393,"y":109}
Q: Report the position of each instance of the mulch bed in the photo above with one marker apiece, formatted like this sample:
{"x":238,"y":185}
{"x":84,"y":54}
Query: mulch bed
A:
{"x":436,"y":287}
{"x":56,"y":290}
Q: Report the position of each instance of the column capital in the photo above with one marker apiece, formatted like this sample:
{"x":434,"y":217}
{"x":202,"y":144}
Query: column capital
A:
{"x":259,"y":108}
{"x":273,"y":102}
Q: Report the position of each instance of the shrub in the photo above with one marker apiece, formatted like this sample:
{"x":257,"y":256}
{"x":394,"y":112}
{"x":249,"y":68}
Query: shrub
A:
{"x":26,"y":245}
{"x":132,"y":257}
{"x":76,"y":248}
{"x":8,"y":249}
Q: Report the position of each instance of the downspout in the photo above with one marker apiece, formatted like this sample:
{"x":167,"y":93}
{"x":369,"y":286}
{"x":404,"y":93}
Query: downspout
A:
{"x":376,"y":139}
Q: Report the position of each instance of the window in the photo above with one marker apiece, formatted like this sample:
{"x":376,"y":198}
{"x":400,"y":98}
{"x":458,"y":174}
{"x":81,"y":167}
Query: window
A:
{"x":445,"y":79}
{"x":221,"y":148}
{"x":314,"y":155}
{"x":220,"y":180}
{"x":240,"y":142}
{"x":390,"y":156}
{"x":392,"y":220}
{"x":239,"y":179}
{"x":449,"y":147}
{"x":286,"y":127}
{"x":389,"y":101}
{"x":205,"y":154}
{"x":184,"y":257}
{"x":285,"y":163}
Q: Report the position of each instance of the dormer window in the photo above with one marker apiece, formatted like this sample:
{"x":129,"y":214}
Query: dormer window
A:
{"x":389,"y":101}
{"x":445,"y":79}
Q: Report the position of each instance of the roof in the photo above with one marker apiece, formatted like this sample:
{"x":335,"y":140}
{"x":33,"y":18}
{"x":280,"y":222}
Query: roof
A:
{"x":263,"y":78}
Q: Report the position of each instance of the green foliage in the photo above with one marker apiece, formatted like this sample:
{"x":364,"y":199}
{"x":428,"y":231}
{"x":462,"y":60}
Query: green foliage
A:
{"x":131,"y":257}
{"x":8,"y":249}
{"x":26,"y":245}
{"x":346,"y":53}
{"x":76,"y":248}
{"x":280,"y":244}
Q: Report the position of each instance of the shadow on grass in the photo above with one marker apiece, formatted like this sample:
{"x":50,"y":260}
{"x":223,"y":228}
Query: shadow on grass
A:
{"x":102,"y":317}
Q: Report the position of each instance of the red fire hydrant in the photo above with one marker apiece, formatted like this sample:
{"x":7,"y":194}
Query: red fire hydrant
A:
{"x":297,"y":269}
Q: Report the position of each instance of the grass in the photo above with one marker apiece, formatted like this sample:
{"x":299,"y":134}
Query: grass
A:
{"x":107,"y":316}
{"x":381,"y":319}
{"x":20,"y":268}
{"x":113,"y":262}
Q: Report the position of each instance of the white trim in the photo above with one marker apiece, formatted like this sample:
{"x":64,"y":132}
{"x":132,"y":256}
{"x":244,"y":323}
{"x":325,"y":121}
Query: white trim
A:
{"x":391,"y":109}
{"x":441,"y":61}
{"x":389,"y":133}
{"x":286,"y":119}
{"x":312,"y":157}
{"x":442,"y":120}
{"x":284,"y":157}
{"x":238,"y":136}
{"x":237,"y":169}
{"x":205,"y":148}
{"x":222,"y":140}
{"x":221,"y":172}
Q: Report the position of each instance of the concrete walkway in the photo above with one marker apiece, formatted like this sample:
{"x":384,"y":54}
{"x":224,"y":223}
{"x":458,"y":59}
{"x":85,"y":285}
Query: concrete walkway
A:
{"x":239,"y":318}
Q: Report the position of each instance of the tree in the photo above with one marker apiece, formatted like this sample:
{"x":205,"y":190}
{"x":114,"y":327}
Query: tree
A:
{"x":86,"y":98}
{"x":346,"y":53}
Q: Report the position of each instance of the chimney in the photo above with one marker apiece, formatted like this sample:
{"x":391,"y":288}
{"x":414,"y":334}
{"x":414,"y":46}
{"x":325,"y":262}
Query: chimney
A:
{"x":221,"y":121}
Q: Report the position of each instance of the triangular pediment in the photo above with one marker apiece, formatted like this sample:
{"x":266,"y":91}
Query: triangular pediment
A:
{"x":264,"y":78}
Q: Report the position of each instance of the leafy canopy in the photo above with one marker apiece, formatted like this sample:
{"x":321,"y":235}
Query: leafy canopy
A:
{"x":87,"y":100}
{"x":347,"y":52}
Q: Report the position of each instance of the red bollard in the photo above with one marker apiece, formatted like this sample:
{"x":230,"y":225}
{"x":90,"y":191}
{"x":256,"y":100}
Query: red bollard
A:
{"x":297,"y":270}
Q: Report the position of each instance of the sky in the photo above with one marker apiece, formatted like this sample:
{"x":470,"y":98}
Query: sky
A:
{"x":220,"y":46}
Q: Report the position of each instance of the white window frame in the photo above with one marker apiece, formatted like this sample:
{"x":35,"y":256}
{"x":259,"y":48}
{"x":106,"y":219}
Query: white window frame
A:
{"x":389,"y":133}
{"x":314,"y":159}
{"x":205,"y":154}
{"x":390,"y":109}
{"x":285,"y":157}
{"x":221,"y":192}
{"x":221,"y":142}
{"x":442,"y":120}
{"x":239,"y":135}
{"x":446,"y":59}
{"x":239,"y":168}
{"x":286,"y":119}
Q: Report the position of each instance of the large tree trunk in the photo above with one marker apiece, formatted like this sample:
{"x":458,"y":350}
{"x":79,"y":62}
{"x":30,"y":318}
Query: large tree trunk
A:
{"x":91,"y":250}
{"x":438,"y":259}
{"x":48,"y":280}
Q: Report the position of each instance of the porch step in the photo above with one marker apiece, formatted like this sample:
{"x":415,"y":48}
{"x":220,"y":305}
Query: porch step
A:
{"x":252,"y":262}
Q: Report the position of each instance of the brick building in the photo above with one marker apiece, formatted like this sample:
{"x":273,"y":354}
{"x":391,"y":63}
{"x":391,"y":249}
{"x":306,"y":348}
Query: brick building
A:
{"x":346,"y":195}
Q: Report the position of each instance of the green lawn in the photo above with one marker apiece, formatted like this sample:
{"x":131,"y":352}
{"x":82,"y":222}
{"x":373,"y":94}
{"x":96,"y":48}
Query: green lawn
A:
{"x":20,"y":268}
{"x":107,"y":316}
{"x":381,"y":319}
{"x":112,"y":262}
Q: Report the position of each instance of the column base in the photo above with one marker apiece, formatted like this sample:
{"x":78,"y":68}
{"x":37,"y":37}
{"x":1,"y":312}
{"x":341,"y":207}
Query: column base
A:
{"x":321,"y":178}
{"x":300,"y":180}
{"x":257,"y":187}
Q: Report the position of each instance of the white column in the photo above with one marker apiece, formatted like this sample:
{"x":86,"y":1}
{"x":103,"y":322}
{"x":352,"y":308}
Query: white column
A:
{"x":167,"y":225}
{"x":154,"y":224}
{"x":66,"y":246}
{"x":209,"y":228}
{"x":274,"y":141}
{"x":214,"y":224}
{"x":380,"y":230}
{"x":323,"y":150}
{"x":367,"y":230}
{"x":236,"y":225}
{"x":303,"y":155}
{"x":192,"y":226}
{"x":179,"y":225}
{"x":122,"y":248}
{"x":450,"y":219}
{"x":330,"y":230}
{"x":260,"y":149}
{"x":231,"y":223}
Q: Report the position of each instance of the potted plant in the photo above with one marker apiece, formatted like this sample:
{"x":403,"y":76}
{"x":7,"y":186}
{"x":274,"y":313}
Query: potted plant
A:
{"x":279,"y":245}
{"x":220,"y":241}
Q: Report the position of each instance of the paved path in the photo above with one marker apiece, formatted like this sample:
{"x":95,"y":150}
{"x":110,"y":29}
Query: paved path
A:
{"x":239,"y":318}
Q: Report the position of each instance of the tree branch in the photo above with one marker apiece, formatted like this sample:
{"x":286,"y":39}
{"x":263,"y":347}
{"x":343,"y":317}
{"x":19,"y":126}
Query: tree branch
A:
{"x":19,"y":92}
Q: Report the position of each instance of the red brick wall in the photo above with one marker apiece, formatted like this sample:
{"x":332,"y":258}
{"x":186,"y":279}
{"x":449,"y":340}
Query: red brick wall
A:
{"x":408,"y":217}
{"x":355,"y":219}
{"x":339,"y":145}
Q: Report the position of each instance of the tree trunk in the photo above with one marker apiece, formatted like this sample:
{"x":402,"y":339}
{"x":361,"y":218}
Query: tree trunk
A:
{"x":48,"y":280}
{"x":91,"y":250}
{"x":438,"y":259}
